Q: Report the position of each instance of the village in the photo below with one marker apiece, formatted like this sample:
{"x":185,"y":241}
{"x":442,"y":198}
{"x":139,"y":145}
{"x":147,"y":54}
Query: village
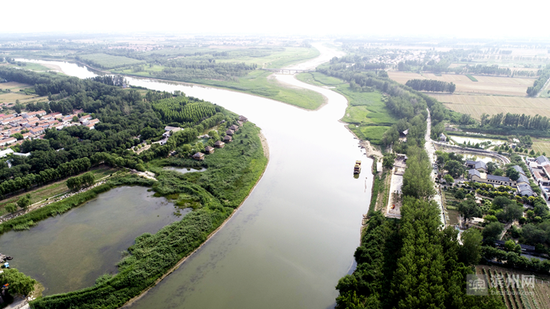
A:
{"x":17,"y":128}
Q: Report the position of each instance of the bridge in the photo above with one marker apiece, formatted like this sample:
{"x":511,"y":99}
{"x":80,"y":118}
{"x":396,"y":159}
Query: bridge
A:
{"x":287,"y":71}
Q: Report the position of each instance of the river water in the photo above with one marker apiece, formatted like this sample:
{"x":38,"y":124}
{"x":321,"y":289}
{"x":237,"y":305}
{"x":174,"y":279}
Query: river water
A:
{"x":69,"y":252}
{"x":295,"y":235}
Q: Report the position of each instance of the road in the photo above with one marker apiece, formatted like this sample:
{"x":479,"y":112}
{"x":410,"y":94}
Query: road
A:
{"x":430,"y":149}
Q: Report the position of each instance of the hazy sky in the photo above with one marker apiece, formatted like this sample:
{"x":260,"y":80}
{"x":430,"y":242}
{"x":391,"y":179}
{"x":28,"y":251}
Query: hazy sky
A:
{"x":465,"y":18}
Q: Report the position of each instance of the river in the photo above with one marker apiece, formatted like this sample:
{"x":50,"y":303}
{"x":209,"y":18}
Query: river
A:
{"x":295,"y":235}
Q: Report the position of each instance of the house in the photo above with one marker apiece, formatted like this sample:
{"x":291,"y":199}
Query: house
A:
{"x":243,"y":118}
{"x":219,"y":144}
{"x":209,"y":149}
{"x":477,"y":176}
{"x":522,"y":179}
{"x":443,"y":137}
{"x":404,"y":133}
{"x":542,"y":160}
{"x":519,"y":169}
{"x":36,"y":131}
{"x":27,"y":135}
{"x":199,"y":156}
{"x":525,"y":190}
{"x":227,"y":139}
{"x":229,"y":132}
{"x":478,"y":165}
{"x":234,"y":128}
{"x":84,"y":118}
{"x":7,"y":141}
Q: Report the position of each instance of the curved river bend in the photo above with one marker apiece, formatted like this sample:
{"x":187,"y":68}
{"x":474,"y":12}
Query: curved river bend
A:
{"x":295,"y":235}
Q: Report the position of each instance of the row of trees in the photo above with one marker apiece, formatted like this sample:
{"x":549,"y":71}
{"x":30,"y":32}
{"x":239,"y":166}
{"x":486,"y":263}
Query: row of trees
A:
{"x":540,"y":82}
{"x":537,"y":122}
{"x":82,"y":181}
{"x":431,"y":85}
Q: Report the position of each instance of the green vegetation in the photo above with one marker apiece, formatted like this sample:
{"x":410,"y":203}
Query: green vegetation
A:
{"x":540,"y":82}
{"x":319,"y":79}
{"x":471,"y":77}
{"x":125,"y":115}
{"x":105,"y":61}
{"x":431,"y":85}
{"x":19,"y":284}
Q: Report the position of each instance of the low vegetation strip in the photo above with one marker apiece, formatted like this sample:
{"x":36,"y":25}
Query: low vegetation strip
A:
{"x":471,"y":77}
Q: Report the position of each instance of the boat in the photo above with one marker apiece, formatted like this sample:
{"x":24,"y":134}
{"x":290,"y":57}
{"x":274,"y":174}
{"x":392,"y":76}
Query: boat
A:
{"x":357,"y":167}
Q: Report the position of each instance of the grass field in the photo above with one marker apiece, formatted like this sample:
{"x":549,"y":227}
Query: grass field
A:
{"x":366,"y":113}
{"x":484,"y":85}
{"x":541,"y":145}
{"x":475,"y":105}
{"x":276,"y":59}
{"x":33,"y":67}
{"x":319,"y":79}
{"x":110,"y":61}
{"x":53,"y":189}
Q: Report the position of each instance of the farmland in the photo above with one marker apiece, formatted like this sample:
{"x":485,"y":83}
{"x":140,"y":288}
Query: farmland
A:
{"x":15,"y":93}
{"x":514,"y":296}
{"x":475,"y":105}
{"x":485,"y":84}
{"x":108,"y":61}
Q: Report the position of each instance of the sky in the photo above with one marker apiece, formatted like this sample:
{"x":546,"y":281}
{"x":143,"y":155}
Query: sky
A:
{"x":437,"y":18}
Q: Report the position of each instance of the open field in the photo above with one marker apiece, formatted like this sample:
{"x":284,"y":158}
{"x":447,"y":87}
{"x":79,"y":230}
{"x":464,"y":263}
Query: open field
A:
{"x":110,"y":61}
{"x":14,"y":86}
{"x":289,"y":56}
{"x":484,"y":85}
{"x":10,"y":97}
{"x":475,"y":105}
{"x":319,"y":79}
{"x":541,"y":145}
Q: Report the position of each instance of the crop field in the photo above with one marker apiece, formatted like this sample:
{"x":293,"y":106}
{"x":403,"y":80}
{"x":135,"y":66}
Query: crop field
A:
{"x":518,"y":296}
{"x":484,"y":85}
{"x":277,"y":59}
{"x":14,"y":86}
{"x":541,"y":145}
{"x":110,"y":61}
{"x":475,"y":105}
{"x":319,"y":79}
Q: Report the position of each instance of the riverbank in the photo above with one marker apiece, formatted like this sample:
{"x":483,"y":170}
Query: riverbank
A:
{"x":265,"y":148}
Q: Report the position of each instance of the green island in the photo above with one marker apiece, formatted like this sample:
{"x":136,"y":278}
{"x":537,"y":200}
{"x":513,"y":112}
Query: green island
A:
{"x":138,"y":132}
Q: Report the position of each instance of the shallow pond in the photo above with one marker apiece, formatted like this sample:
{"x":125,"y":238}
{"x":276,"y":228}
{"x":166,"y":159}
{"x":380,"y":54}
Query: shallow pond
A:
{"x":184,"y":170}
{"x":70,"y":251}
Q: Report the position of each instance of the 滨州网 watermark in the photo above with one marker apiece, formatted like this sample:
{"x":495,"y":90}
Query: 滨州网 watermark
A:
{"x":511,"y":284}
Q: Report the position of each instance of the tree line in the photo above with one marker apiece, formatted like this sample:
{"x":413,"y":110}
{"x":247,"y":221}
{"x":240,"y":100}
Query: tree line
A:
{"x":537,"y":122}
{"x":539,"y":83}
{"x":431,"y":85}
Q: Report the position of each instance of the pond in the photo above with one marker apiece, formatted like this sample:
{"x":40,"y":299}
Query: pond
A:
{"x":475,"y":140}
{"x":184,"y":170}
{"x":70,"y":251}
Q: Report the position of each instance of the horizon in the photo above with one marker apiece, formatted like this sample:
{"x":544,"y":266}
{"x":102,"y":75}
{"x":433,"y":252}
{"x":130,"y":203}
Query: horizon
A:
{"x":426,"y":19}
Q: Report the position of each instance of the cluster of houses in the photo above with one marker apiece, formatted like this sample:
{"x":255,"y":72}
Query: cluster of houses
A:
{"x":228,"y":138}
{"x":478,"y":173}
{"x":540,"y":169}
{"x":35,"y":123}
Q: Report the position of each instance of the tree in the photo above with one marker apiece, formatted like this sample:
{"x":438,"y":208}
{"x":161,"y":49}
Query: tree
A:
{"x":11,"y":208}
{"x":492,"y":232}
{"x":389,"y":159}
{"x":470,"y":251}
{"x":454,"y":168}
{"x":19,"y":283}
{"x":512,"y":173}
{"x":491,"y":167}
{"x":469,"y":209}
{"x":449,"y":179}
{"x":24,"y":201}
